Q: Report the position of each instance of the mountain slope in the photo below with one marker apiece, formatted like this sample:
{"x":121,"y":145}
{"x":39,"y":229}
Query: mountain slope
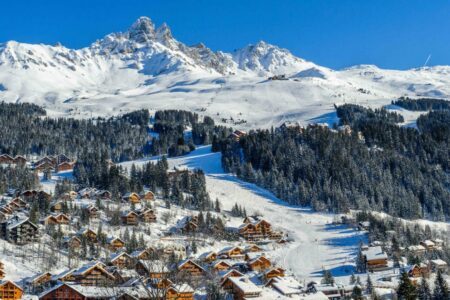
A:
{"x":146,"y":67}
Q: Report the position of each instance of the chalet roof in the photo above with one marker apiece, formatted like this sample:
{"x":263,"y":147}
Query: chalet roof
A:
{"x":127,"y":213}
{"x":84,"y":230}
{"x":136,"y":253}
{"x":438,"y":262}
{"x":15,"y":222}
{"x":373,"y":253}
{"x":206,"y":254}
{"x":111,"y":239}
{"x":83,"y":269}
{"x":286,"y":285}
{"x":182,"y":288}
{"x":115,"y":256}
{"x":214,"y":264}
{"x":185,"y":261}
{"x":103,"y":292}
{"x":156,"y":266}
{"x":258,"y":258}
{"x":3,"y":282}
{"x":428,"y":243}
{"x":228,"y":249}
{"x":63,"y":274}
{"x":181,"y":223}
{"x":228,"y":273}
{"x":245,"y":285}
{"x":416,"y":248}
{"x":36,"y":277}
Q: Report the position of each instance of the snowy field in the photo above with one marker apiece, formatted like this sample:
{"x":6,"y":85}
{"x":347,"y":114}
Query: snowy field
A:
{"x":316,"y":245}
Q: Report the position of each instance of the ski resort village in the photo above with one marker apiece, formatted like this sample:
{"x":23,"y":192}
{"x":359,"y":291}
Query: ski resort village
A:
{"x":180,"y":227}
{"x":139,"y":167}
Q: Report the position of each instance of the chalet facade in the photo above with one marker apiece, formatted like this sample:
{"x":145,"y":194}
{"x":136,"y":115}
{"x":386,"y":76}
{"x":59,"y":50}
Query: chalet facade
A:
{"x":130,"y":218}
{"x":115,"y":244}
{"x":10,"y":291}
{"x":375,"y":258}
{"x":190,"y":267}
{"x":19,"y":231}
{"x":241,"y":288}
{"x":147,"y":215}
{"x":132,"y":198}
{"x":121,"y":260}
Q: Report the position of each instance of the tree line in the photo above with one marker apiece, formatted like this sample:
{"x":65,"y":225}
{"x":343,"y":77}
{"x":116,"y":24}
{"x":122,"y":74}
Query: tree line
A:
{"x":394,"y":169}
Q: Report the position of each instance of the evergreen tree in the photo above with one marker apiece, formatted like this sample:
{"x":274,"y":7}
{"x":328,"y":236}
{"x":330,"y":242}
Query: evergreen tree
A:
{"x":406,"y":289}
{"x":440,"y":287}
{"x":424,"y":291}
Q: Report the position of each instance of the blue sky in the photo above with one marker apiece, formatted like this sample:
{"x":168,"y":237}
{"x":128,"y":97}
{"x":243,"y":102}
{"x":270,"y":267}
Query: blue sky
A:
{"x":336,"y":34}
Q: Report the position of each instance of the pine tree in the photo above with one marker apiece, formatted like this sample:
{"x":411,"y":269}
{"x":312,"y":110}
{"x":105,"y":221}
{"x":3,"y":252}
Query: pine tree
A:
{"x":327,"y":277}
{"x":424,"y":291}
{"x":406,"y":290}
{"x":352,"y":279}
{"x":369,"y":285}
{"x":357,"y":293}
{"x":440,"y":287}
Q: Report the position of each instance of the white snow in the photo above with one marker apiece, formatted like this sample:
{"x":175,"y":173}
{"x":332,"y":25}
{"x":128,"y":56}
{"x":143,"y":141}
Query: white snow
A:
{"x":146,"y":67}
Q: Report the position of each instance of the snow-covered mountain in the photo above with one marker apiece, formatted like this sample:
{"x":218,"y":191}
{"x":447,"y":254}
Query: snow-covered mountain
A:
{"x":146,"y":67}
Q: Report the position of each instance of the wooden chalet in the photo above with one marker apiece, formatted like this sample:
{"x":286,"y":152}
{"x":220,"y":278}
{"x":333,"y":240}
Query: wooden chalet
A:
{"x":20,"y":160}
{"x":187,"y":224}
{"x":124,"y":275}
{"x":230,"y":273}
{"x":93,"y":274}
{"x":241,"y":288}
{"x":252,"y":248}
{"x":232,"y":252}
{"x":68,"y":291}
{"x":208,"y":256}
{"x":274,"y":272}
{"x":65,"y":166}
{"x":130,"y":218}
{"x":153,"y":269}
{"x":190,"y":267}
{"x":180,"y":292}
{"x":38,"y":283}
{"x":147,"y":196}
{"x":132,"y":198}
{"x":417,"y":249}
{"x":5,"y":159}
{"x":45,"y":166}
{"x":19,"y":231}
{"x":375,"y":258}
{"x":73,"y":242}
{"x":260,"y":263}
{"x":220,"y":266}
{"x":121,"y":260}
{"x":19,"y":203}
{"x":88,"y":233}
{"x":237,"y":135}
{"x":438,"y":265}
{"x":57,"y":219}
{"x":56,"y":206}
{"x":428,"y":244}
{"x":147,"y":215}
{"x":145,"y":254}
{"x":115,"y":243}
{"x":417,"y":271}
{"x":92,"y":211}
{"x":10,"y":290}
{"x":47,"y":159}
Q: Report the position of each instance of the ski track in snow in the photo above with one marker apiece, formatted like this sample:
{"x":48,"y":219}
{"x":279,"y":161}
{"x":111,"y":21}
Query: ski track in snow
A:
{"x":317,"y":244}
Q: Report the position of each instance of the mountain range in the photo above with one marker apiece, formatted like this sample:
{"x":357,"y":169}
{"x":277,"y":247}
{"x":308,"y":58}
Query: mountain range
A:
{"x":146,"y":67}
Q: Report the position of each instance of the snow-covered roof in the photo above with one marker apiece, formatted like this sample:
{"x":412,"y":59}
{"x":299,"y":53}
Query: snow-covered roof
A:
{"x":206,"y":254}
{"x":438,"y":262}
{"x":373,"y":253}
{"x":286,"y":285}
{"x":416,"y":248}
{"x":245,"y":285}
{"x":428,"y":243}
{"x":183,"y":288}
{"x":89,"y":266}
